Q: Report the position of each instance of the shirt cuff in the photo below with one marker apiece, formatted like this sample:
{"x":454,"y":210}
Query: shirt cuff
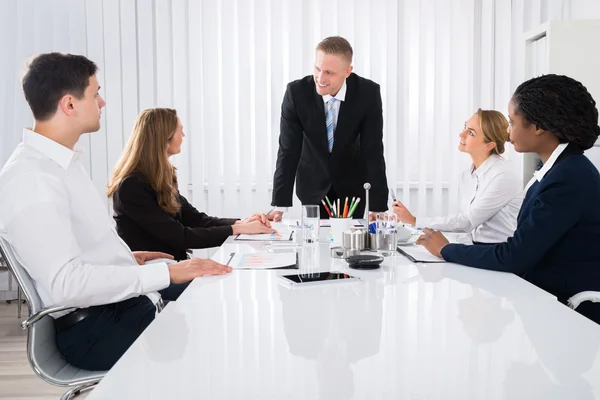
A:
{"x":282,"y":209}
{"x":154,"y":277}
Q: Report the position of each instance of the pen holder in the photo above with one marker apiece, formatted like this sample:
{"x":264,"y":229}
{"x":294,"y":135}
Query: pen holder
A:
{"x":338,"y":226}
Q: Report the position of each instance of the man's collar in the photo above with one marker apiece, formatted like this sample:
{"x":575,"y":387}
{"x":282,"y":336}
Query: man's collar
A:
{"x":340,"y":96}
{"x":60,"y":154}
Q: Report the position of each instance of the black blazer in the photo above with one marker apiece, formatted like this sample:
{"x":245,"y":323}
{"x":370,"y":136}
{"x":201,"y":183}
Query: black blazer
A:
{"x":555,"y":245}
{"x":144,"y":225}
{"x":357,"y":154}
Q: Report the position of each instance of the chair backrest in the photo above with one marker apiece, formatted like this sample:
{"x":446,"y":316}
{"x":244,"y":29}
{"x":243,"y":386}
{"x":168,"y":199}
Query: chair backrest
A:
{"x":42,"y":352}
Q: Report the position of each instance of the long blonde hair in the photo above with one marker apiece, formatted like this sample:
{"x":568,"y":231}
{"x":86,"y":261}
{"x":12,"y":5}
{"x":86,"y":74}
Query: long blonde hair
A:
{"x":146,"y":153}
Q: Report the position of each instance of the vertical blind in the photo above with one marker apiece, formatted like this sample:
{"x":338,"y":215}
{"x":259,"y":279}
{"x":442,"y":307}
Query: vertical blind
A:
{"x":224,"y":65}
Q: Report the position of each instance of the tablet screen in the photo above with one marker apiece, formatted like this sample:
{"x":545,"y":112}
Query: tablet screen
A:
{"x":318,"y":277}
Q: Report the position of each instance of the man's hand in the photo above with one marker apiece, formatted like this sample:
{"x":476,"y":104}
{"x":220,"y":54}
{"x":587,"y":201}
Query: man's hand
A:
{"x":433,"y":241}
{"x":403,"y":214}
{"x":256,"y":217}
{"x":142,"y":256}
{"x":251,"y":228}
{"x":187,"y":270}
{"x":275,"y":216}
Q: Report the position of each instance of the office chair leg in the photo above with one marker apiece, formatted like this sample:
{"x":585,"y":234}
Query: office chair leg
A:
{"x":19,"y":303}
{"x":10,"y":279}
{"x":77,"y":390}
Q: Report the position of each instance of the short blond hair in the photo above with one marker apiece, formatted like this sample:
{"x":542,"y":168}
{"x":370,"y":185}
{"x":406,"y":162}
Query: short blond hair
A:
{"x":336,"y":45}
{"x":494,"y":127}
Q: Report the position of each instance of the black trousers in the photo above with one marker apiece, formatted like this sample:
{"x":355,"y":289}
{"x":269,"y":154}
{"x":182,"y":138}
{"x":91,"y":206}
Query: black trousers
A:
{"x":333,"y":196}
{"x":98,"y":341}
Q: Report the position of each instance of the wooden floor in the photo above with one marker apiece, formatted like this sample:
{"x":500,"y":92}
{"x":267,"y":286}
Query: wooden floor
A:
{"x":17,"y":379}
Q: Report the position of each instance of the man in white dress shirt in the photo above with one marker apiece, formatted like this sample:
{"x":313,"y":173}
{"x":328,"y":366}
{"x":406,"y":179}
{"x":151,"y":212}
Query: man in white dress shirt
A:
{"x":60,"y":231}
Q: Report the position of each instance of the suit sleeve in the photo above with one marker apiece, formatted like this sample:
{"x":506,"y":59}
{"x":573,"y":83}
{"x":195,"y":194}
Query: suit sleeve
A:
{"x":138,"y":201}
{"x":288,"y":155}
{"x":371,"y":142}
{"x":193,"y":218}
{"x":556,"y":211}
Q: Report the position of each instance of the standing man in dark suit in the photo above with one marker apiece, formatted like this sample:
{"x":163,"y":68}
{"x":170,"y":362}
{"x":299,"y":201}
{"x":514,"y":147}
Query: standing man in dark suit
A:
{"x":331,"y":136}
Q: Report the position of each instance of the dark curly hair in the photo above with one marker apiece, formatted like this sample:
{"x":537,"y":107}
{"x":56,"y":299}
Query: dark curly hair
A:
{"x":560,"y":105}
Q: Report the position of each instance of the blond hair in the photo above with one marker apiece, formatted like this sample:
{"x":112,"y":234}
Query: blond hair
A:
{"x":494,"y":127}
{"x":336,"y":45}
{"x":146,"y":153}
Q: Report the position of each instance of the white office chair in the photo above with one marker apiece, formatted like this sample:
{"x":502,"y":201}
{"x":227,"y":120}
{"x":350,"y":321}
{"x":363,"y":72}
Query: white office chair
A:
{"x":42,"y":352}
{"x":579,"y":298}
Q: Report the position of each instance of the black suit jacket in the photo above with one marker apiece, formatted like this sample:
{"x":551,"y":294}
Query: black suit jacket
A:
{"x":357,"y":154}
{"x":144,"y":225}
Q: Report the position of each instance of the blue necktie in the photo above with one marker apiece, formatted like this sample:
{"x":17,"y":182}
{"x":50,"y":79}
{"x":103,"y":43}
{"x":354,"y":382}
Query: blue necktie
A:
{"x":330,"y":121}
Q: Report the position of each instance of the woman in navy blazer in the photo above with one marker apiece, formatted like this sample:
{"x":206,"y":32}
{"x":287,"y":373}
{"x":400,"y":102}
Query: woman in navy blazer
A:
{"x":555,"y":245}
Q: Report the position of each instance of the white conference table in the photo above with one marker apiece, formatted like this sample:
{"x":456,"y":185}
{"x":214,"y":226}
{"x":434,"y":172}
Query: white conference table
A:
{"x":436,"y":331}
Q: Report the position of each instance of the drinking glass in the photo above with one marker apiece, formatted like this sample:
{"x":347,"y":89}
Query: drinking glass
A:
{"x":310,"y":223}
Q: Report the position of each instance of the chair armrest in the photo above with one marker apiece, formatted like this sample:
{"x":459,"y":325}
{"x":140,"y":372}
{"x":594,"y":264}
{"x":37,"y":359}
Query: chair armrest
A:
{"x":42,"y":313}
{"x":583,"y":296}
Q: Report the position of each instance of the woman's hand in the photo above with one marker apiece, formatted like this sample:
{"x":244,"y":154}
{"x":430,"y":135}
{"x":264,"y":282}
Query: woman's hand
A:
{"x":251,"y":228}
{"x":403,"y":214}
{"x":433,"y":241}
{"x":256,"y":217}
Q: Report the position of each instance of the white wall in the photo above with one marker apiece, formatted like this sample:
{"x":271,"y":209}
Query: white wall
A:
{"x":528,"y":14}
{"x":224,"y":65}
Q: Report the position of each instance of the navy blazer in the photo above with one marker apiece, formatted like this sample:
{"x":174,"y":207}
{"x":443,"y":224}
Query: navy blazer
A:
{"x":557,"y":240}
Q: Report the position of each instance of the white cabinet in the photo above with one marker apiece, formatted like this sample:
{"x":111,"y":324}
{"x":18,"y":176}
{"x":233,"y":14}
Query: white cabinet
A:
{"x":569,"y":48}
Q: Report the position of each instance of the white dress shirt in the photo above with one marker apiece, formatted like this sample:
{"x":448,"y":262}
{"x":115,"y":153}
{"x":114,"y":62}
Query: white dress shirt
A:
{"x":62,"y":234}
{"x":490,"y":200}
{"x":538,"y":175}
{"x":340,"y":96}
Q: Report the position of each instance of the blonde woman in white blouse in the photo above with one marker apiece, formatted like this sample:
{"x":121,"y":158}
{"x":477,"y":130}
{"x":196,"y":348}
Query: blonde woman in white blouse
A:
{"x":490,"y":193}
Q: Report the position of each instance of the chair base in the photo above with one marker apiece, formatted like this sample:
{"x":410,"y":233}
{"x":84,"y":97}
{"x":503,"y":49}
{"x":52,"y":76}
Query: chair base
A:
{"x":76,"y":391}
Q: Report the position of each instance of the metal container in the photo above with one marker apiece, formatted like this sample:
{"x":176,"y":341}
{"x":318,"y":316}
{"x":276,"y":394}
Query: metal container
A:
{"x":355,"y":240}
{"x":383,"y":242}
{"x":340,"y":252}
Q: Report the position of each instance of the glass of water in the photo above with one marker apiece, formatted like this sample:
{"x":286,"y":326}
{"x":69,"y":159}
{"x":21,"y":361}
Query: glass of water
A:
{"x":310,"y":223}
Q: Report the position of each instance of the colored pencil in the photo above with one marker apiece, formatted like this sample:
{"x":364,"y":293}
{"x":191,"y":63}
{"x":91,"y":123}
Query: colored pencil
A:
{"x":326,"y":208}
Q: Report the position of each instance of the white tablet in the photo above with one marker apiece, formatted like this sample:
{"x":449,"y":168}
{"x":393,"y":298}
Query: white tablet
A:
{"x":316,"y":278}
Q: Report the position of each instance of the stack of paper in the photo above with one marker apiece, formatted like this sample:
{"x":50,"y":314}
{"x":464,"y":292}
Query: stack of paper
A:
{"x":267,"y":237}
{"x":263,"y":260}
